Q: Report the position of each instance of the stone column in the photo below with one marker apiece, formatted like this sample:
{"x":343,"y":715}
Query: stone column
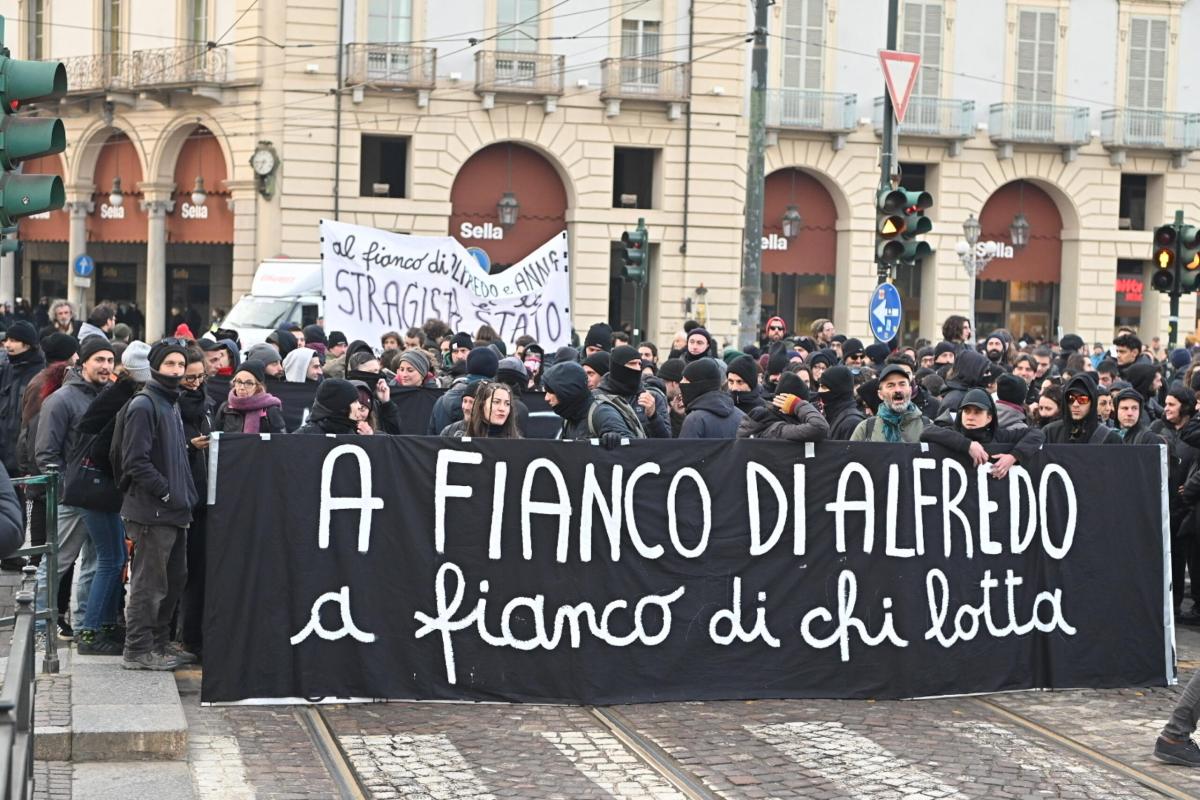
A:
{"x":78,"y":209}
{"x":8,"y":276}
{"x":156,"y":206}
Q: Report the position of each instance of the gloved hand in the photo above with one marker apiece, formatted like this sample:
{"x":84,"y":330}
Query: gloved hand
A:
{"x":610,"y":440}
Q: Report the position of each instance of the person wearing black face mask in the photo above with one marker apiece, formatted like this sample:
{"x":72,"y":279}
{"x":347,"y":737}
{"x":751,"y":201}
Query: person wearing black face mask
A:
{"x":790,"y":416}
{"x":838,"y":404}
{"x":336,"y":409}
{"x":743,"y":384}
{"x":585,"y":416}
{"x":711,"y":413}
{"x":624,"y":382}
{"x":976,"y":426}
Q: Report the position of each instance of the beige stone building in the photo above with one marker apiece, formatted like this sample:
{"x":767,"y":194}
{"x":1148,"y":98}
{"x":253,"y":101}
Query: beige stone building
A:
{"x":1073,"y":114}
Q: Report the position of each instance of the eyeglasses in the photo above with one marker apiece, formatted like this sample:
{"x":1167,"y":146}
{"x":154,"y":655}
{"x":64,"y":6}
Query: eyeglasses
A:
{"x":246,"y":384}
{"x":1079,"y":400}
{"x":196,"y":379}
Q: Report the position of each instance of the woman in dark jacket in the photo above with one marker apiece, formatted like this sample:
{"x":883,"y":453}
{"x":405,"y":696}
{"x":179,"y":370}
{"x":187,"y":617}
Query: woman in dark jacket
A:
{"x":711,"y":413}
{"x":975,"y":424}
{"x":336,"y":409}
{"x":250,"y":408}
{"x":789,"y":416}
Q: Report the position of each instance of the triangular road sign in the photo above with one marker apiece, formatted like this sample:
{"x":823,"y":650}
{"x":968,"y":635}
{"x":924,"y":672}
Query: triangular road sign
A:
{"x":900,"y":75}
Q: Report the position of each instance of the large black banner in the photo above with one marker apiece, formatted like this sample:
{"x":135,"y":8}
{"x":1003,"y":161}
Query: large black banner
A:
{"x":413,"y":567}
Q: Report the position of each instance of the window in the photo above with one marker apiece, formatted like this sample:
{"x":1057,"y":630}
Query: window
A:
{"x":803,"y":45}
{"x":1037,"y":32}
{"x":197,"y":20}
{"x":35,"y":28}
{"x":383,"y":168}
{"x":1147,"y":84}
{"x":639,"y":40}
{"x":914,"y":176}
{"x":517,"y":25}
{"x":111,"y":25}
{"x":923,"y":34}
{"x":633,"y":177}
{"x":390,"y":21}
{"x":1132,"y":210}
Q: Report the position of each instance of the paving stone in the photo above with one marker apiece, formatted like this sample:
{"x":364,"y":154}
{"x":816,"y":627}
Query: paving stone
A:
{"x":122,"y":781}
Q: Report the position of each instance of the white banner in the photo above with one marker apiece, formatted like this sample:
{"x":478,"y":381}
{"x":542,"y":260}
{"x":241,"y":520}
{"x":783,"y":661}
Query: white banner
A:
{"x":376,"y":281}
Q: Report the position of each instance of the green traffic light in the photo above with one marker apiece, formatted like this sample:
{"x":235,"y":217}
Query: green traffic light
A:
{"x":31,"y":81}
{"x":23,"y":195}
{"x":22,"y":138}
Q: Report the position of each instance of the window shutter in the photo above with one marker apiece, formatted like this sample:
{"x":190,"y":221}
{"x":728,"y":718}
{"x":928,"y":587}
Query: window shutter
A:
{"x":922,"y":33}
{"x":803,"y":47}
{"x":1147,"y":82}
{"x":1036,"y":56}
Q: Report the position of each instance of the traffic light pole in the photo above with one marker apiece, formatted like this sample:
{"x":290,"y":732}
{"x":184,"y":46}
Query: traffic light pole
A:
{"x":1173,"y":315}
{"x":887,"y":155}
{"x":751,"y":307}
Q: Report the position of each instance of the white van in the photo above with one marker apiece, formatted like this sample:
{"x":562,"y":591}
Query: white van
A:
{"x":284,"y":290}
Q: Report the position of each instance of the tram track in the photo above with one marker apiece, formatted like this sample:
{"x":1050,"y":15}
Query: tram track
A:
{"x":653,"y":756}
{"x":312,"y":719}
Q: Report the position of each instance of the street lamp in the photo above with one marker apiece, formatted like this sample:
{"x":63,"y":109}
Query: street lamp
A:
{"x":974,"y":260}
{"x":199,"y":196}
{"x":792,"y":222}
{"x":507,"y":210}
{"x":1019,"y":230}
{"x":116,"y":198}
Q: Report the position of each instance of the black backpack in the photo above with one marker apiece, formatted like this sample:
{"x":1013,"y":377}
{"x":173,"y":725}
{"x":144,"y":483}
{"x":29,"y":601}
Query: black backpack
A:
{"x":116,"y":455}
{"x":622,"y":407}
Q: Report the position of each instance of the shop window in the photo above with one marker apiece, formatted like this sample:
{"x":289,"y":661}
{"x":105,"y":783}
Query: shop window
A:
{"x":1130,"y":289}
{"x":1132,"y":212}
{"x":914,"y":176}
{"x":633,"y":177}
{"x":383,"y":166}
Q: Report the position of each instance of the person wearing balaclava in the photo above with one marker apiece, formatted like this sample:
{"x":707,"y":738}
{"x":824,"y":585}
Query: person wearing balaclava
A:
{"x":336,"y":409}
{"x":624,"y":382}
{"x":742,"y":378}
{"x":583,"y":416}
{"x":481,"y":364}
{"x":838,"y":404}
{"x":977,"y":425}
{"x":711,"y":413}
{"x":789,"y":416}
{"x":157,"y":510}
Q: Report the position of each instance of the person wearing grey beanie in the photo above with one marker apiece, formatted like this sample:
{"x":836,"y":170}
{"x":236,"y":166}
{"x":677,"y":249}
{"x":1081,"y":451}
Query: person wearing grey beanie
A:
{"x":412,"y":370}
{"x":269,"y":357}
{"x":136,"y":361}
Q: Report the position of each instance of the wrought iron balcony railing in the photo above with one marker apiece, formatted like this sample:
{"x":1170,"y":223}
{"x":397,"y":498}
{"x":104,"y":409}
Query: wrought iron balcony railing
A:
{"x":1039,"y":123}
{"x":179,"y":66}
{"x":644,"y":79}
{"x":391,"y":65}
{"x":502,"y":72}
{"x":98,"y":73}
{"x":1148,"y":129}
{"x":802,"y":109}
{"x":933,"y":117}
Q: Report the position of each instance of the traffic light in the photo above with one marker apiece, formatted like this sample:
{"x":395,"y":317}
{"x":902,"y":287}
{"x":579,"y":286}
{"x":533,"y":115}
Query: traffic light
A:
{"x":1187,"y":256}
{"x":636,"y":242}
{"x":24,"y":138}
{"x":1165,"y":278}
{"x":900,"y":219}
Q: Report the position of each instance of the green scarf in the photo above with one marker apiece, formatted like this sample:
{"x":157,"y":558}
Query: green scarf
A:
{"x":892,"y":420}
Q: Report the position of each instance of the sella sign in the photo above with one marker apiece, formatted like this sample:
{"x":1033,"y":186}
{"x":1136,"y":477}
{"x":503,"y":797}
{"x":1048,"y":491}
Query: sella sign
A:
{"x":488,"y":230}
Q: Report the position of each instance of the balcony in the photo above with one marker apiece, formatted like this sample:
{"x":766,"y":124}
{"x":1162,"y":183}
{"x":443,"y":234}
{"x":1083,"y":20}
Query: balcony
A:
{"x":97,"y":74}
{"x":1124,"y":129}
{"x":1039,"y":123}
{"x":502,"y":72}
{"x":805,"y":110}
{"x":644,"y":79}
{"x":119,"y":76}
{"x":391,"y":66}
{"x":934,"y":118}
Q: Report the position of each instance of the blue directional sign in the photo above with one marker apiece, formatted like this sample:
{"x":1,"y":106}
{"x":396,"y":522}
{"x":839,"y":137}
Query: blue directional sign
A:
{"x":482,"y":257}
{"x":885,"y":312}
{"x":85,"y":265}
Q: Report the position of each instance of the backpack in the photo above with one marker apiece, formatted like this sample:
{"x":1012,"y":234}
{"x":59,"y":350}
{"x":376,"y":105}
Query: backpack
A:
{"x":116,"y":455}
{"x":622,"y":407}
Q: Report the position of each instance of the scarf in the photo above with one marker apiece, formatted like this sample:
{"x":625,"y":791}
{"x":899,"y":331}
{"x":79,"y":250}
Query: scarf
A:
{"x":331,"y":421}
{"x":892,"y":420}
{"x":259,"y":403}
{"x":192,"y":406}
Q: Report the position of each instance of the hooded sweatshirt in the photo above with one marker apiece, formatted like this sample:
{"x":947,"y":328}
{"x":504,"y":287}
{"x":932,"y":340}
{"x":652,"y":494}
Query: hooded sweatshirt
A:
{"x":1025,"y":441}
{"x":838,"y":404}
{"x":626,"y":383}
{"x":1069,"y":431}
{"x":568,"y":382}
{"x":1140,"y":433}
{"x":295,"y":366}
{"x":970,"y":372}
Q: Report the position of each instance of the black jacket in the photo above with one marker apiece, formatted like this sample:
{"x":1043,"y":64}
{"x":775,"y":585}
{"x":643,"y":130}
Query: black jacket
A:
{"x":195,"y":409}
{"x":12,"y":517}
{"x":1087,"y":430}
{"x":575,"y":404}
{"x":15,"y":375}
{"x":843,"y":415}
{"x":712,"y":415}
{"x":657,"y":426}
{"x":154,"y":460}
{"x":1025,"y":441}
{"x":805,"y":424}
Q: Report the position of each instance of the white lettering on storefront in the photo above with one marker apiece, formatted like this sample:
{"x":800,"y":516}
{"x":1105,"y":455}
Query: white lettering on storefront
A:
{"x":188,"y":211}
{"x":774,"y":242}
{"x":486,"y":231}
{"x":111,"y":212}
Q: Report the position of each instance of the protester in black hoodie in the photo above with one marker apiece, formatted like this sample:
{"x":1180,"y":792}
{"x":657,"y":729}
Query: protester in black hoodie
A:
{"x":624,"y":381}
{"x":671,"y":373}
{"x":790,"y":416}
{"x":1133,"y":427}
{"x":743,"y":384}
{"x":838,"y":404}
{"x":970,"y":372}
{"x":1080,"y":423}
{"x":1147,"y":379}
{"x":584,"y":417}
{"x":336,"y":409}
{"x":975,"y":426}
{"x":711,"y":413}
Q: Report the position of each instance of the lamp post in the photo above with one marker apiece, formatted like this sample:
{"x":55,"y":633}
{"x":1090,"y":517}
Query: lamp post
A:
{"x":974,"y":260}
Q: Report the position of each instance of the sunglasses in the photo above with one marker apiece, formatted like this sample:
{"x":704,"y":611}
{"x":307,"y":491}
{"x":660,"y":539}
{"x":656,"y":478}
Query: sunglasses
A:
{"x":177,"y":341}
{"x":1079,"y":399}
{"x":774,"y":328}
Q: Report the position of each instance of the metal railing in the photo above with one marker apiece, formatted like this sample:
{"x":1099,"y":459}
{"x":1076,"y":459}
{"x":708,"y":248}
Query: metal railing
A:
{"x":179,"y":65}
{"x":644,"y":79}
{"x":933,"y":117}
{"x":1039,"y":123}
{"x":804,"y":109}
{"x":1154,"y":130}
{"x":519,"y":73}
{"x":17,"y":697}
{"x":48,"y":551}
{"x":99,"y":72}
{"x":389,"y":65}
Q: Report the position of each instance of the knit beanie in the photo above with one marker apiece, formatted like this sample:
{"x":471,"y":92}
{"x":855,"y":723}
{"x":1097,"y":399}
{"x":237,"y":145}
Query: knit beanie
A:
{"x":1180,"y":357}
{"x":791,"y":383}
{"x":777,"y":361}
{"x":22,"y":331}
{"x":314,"y":334}
{"x":599,"y":362}
{"x":59,"y":347}
{"x":623,"y":354}
{"x":745,"y":368}
{"x":335,"y":338}
{"x":92,"y":345}
{"x":1012,"y":389}
{"x":851,"y":347}
{"x":944,"y":347}
{"x":671,"y":370}
{"x":160,"y":351}
{"x":838,"y":381}
{"x":868,"y":393}
{"x":417,"y":360}
{"x":599,"y":335}
{"x":334,"y":394}
{"x":264,"y":354}
{"x":136,"y":360}
{"x":483,"y":361}
{"x":701,"y":332}
{"x":255,"y":368}
{"x":877,"y":352}
{"x":461,"y":341}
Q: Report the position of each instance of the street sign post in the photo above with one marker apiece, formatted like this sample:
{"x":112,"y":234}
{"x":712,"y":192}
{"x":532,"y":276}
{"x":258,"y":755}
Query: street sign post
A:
{"x":884,"y":313}
{"x":900,"y":75}
{"x":85,"y":265}
{"x":482,"y":257}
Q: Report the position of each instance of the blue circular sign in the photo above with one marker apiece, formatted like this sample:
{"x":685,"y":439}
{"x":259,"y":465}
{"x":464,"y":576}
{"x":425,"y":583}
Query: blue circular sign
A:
{"x":885,"y":312}
{"x":85,"y":265}
{"x":482,"y":257}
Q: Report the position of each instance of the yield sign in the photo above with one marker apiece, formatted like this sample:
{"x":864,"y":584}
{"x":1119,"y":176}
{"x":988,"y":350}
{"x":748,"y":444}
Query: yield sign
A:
{"x":900,"y":74}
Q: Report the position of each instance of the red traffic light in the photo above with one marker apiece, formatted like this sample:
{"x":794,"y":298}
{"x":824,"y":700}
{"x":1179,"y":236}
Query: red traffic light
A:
{"x":1164,"y":237}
